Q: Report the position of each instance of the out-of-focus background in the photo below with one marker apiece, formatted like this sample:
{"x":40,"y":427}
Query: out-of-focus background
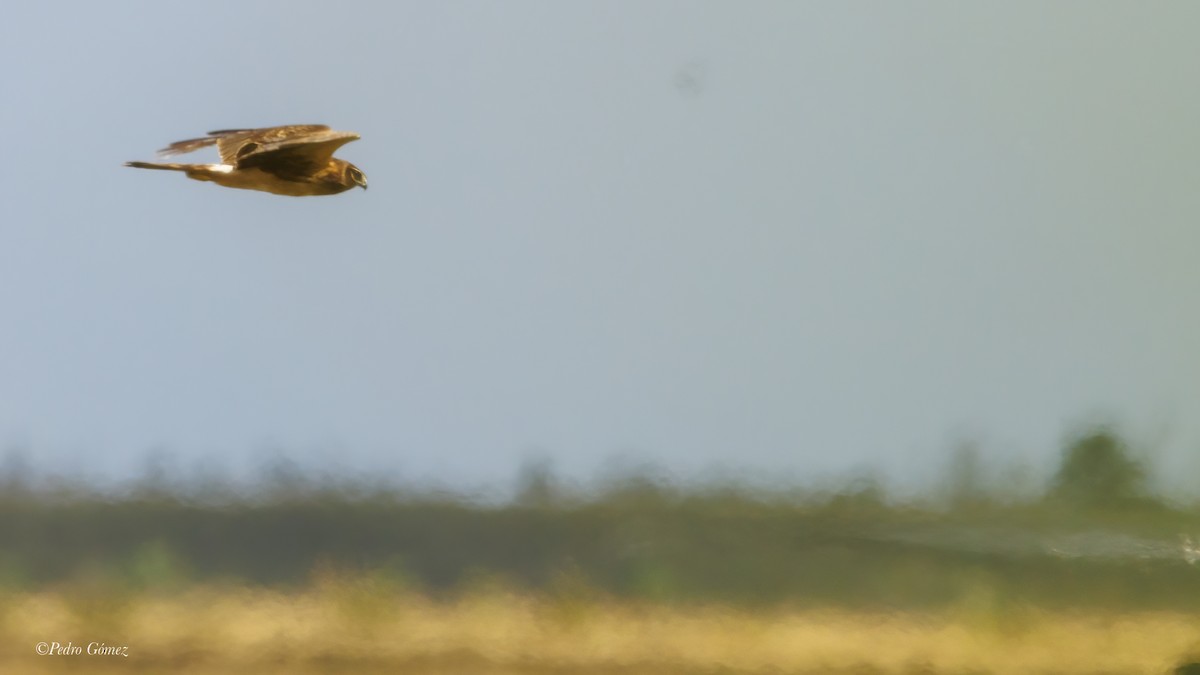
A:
{"x":769,"y":308}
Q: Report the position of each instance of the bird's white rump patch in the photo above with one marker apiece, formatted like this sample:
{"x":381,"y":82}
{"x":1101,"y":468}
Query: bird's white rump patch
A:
{"x":223,"y":168}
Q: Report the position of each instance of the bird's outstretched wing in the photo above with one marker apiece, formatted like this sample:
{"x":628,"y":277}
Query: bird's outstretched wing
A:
{"x":290,"y":155}
{"x":234,"y":143}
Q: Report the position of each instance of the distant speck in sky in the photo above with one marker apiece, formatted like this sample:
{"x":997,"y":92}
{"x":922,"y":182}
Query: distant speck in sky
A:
{"x":691,"y":79}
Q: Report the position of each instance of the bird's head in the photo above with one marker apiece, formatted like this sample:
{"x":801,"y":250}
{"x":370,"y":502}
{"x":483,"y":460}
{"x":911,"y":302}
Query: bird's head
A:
{"x":355,"y":177}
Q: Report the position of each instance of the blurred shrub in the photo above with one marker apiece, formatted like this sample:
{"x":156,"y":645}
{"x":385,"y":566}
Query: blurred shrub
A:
{"x":1097,"y":472}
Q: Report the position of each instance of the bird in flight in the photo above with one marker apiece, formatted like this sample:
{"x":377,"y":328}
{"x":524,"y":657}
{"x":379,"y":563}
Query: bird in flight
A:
{"x":295,"y":160}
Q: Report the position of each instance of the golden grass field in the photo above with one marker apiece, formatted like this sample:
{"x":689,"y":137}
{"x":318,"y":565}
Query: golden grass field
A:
{"x":364,"y":627}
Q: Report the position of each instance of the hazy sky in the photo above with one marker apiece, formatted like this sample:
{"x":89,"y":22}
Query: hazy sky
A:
{"x":789,"y":238}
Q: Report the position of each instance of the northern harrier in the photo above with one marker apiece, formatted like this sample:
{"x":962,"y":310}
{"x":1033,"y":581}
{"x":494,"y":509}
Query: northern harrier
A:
{"x":295,"y":160}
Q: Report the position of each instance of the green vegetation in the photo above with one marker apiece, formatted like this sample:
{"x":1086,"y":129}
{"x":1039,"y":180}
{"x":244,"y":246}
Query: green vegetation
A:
{"x":1096,"y":538}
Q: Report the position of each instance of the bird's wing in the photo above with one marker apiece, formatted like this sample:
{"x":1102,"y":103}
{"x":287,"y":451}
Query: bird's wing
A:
{"x":234,"y":144}
{"x":298,"y":154}
{"x":231,"y":142}
{"x":181,"y":147}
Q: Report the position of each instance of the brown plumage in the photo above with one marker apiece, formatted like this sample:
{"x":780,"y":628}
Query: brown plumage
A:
{"x":295,"y":160}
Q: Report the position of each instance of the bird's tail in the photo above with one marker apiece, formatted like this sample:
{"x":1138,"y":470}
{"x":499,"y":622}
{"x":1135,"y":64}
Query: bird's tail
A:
{"x":163,"y":167}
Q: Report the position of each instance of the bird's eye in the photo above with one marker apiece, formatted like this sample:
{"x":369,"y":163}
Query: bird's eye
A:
{"x":356,"y":175}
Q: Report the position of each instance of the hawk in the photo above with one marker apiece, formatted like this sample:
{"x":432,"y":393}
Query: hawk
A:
{"x":295,"y":160}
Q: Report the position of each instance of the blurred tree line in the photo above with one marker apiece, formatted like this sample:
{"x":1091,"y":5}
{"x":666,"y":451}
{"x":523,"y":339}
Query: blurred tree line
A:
{"x":640,"y":538}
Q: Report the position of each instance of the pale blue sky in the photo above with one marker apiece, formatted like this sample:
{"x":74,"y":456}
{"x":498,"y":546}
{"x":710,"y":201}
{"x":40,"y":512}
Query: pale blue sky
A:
{"x":788,"y":238}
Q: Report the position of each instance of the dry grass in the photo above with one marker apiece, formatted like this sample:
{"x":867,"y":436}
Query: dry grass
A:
{"x":363,"y":627}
